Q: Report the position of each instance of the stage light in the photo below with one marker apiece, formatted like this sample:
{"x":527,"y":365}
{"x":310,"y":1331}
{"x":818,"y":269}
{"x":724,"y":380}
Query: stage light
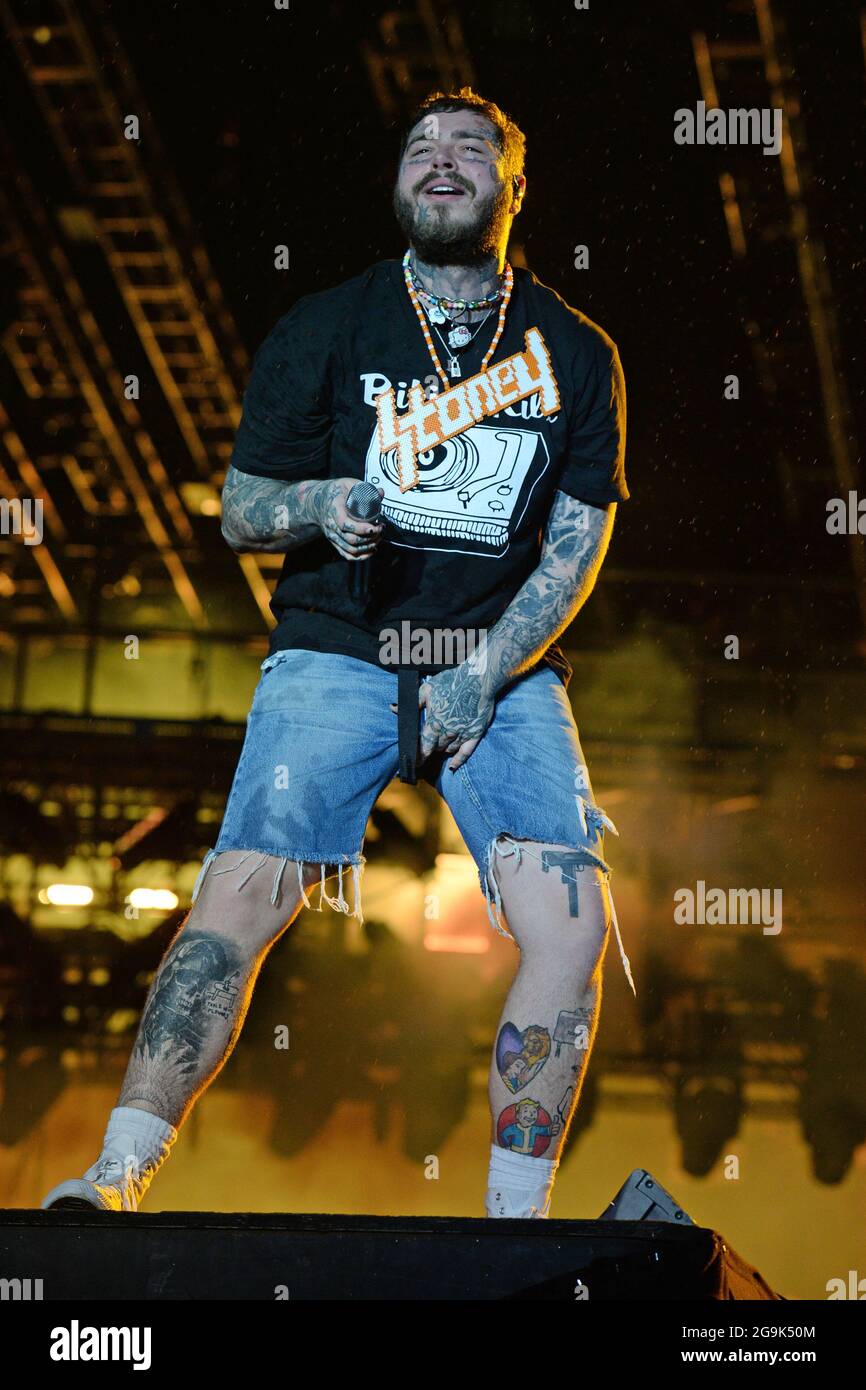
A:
{"x":66,"y":895}
{"x":201,"y":498}
{"x":153,"y":899}
{"x":128,"y":586}
{"x":735,"y":805}
{"x":460,"y":945}
{"x":121,"y":1021}
{"x":156,"y":834}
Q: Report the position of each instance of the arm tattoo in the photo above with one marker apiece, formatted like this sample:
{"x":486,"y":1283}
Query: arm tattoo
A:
{"x":462,"y":699}
{"x":576,"y":538}
{"x":266,"y":514}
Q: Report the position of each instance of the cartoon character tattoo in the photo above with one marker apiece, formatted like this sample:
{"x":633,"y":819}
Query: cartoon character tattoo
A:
{"x":520,"y":1056}
{"x":526,"y":1128}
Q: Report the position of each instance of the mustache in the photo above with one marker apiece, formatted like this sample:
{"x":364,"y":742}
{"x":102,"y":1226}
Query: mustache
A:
{"x":443,"y":178}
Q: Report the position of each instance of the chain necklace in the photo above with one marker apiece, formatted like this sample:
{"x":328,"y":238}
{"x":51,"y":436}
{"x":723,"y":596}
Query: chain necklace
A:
{"x":503,"y":294}
{"x":442,"y":307}
{"x":460,"y":337}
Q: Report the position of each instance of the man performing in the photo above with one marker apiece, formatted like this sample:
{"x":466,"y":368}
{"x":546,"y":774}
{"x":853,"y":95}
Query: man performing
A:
{"x":489,"y":418}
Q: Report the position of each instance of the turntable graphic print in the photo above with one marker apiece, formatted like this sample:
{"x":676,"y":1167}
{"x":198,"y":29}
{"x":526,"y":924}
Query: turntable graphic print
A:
{"x":472,"y":492}
{"x":455,"y":477}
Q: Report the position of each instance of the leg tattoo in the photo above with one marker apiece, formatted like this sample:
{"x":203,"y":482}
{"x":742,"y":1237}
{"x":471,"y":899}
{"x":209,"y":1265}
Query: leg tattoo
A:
{"x":570,"y":863}
{"x":526,"y":1128}
{"x":573,"y":1030}
{"x":520,"y":1056}
{"x":192,"y":1014}
{"x":549,"y":1021}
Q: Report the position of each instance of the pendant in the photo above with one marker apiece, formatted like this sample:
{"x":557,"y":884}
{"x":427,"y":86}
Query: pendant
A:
{"x":459,"y":336}
{"x":436,"y":314}
{"x":454,"y":367}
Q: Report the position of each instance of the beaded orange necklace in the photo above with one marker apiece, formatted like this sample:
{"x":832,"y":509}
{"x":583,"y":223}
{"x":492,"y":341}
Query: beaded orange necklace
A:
{"x":428,"y":338}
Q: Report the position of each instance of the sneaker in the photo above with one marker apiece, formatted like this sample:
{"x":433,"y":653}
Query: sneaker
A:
{"x":112,"y":1184}
{"x":500,"y":1202}
{"x":135,"y":1146}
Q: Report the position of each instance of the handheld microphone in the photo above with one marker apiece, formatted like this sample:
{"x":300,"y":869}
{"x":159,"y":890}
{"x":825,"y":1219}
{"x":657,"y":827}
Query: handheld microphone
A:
{"x":364,"y":504}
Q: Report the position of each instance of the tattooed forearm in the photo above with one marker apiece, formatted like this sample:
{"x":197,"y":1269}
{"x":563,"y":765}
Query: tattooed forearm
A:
{"x":266,"y":514}
{"x":575,"y":542}
{"x":460,"y":702}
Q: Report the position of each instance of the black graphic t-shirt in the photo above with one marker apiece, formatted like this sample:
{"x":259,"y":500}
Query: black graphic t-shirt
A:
{"x":344,"y":387}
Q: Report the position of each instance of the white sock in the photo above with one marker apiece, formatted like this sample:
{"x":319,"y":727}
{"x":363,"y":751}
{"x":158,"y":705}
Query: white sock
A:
{"x":136,"y":1132}
{"x":518,"y":1184}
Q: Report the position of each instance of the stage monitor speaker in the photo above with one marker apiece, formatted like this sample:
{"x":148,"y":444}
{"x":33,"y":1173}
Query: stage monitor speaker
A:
{"x":204,"y":1255}
{"x":642,"y":1198}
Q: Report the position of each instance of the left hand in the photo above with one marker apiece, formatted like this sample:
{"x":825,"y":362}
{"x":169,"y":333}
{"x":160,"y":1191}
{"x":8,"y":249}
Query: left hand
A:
{"x":459,"y":710}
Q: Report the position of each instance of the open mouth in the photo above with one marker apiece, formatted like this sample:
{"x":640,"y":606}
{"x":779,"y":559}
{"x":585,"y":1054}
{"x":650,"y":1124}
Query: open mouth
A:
{"x":443,"y":191}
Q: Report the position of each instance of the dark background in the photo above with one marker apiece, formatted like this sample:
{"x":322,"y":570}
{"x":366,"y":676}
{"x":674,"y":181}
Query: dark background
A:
{"x":736,"y":772}
{"x":310,"y":163}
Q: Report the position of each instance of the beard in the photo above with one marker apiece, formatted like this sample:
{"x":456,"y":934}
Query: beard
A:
{"x":441,"y":240}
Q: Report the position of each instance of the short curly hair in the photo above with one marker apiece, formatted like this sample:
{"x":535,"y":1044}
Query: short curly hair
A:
{"x":511,"y":139}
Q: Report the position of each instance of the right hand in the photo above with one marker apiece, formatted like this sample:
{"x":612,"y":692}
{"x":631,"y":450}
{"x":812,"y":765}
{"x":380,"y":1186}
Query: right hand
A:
{"x":351,"y":538}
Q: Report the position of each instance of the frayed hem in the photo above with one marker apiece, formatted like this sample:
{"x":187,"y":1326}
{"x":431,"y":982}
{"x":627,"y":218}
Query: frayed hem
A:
{"x":507,"y":847}
{"x":339,"y":904}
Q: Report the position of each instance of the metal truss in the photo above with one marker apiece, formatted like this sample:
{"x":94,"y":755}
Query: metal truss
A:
{"x":776,"y":241}
{"x":86,"y":92}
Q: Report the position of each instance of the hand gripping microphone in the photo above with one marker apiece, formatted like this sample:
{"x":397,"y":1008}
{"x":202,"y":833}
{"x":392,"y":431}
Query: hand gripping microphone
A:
{"x":364,"y":504}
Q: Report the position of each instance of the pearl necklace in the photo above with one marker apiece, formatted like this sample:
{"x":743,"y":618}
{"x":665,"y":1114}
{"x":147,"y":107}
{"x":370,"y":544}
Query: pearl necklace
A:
{"x":505,"y":293}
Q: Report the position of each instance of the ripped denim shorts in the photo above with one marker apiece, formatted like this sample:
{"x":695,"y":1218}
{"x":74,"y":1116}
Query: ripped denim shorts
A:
{"x":321,"y":745}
